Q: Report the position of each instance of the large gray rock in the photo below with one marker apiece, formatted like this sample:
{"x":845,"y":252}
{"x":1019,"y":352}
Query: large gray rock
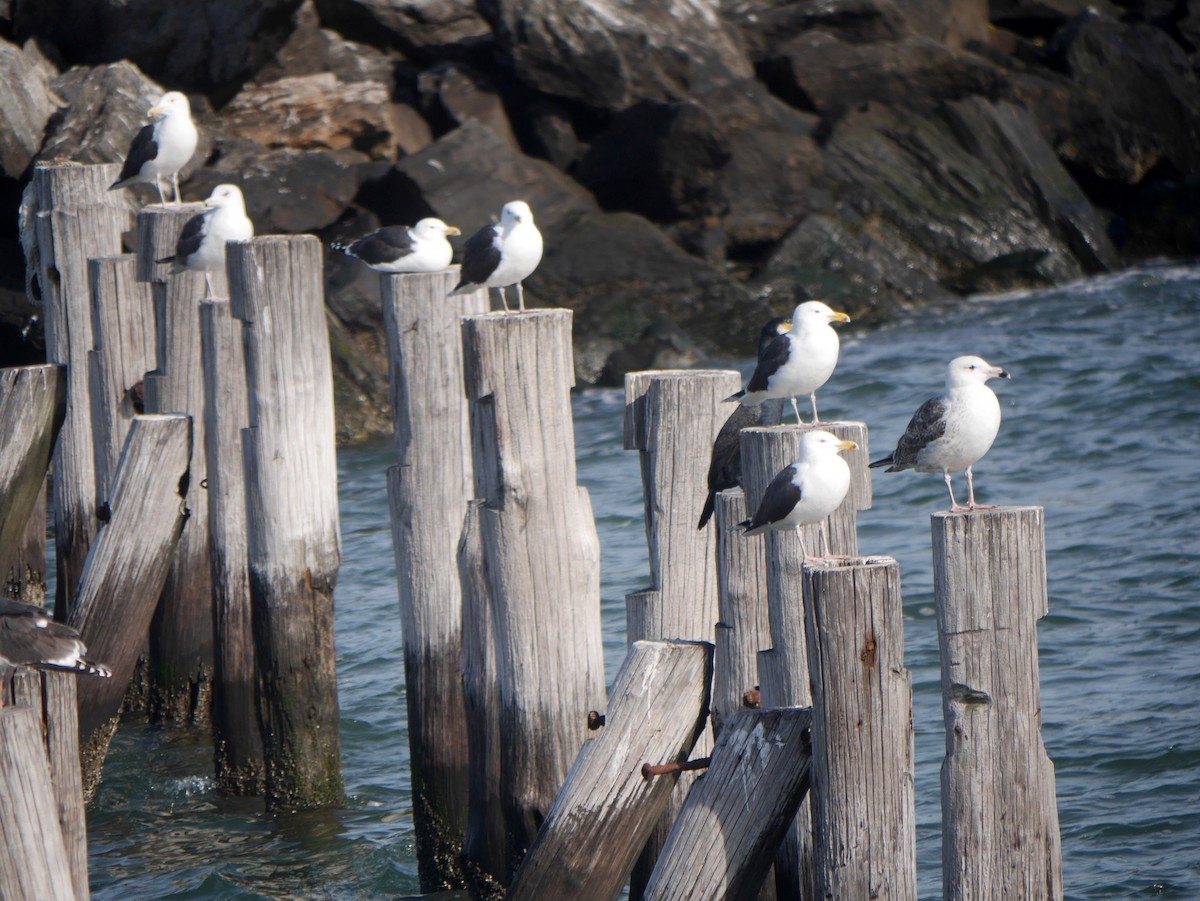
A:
{"x":767,"y":24}
{"x":452,"y":93}
{"x":418,"y":27}
{"x":311,"y":49}
{"x":27,"y":108}
{"x":609,"y":54}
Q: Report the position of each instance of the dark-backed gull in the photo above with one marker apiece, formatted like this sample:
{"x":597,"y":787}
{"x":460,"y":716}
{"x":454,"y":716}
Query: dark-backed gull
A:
{"x":725,"y":465}
{"x":799,"y":362}
{"x":806,"y":491}
{"x":161,"y":148}
{"x":29,"y":637}
{"x":399,"y":248}
{"x":202,"y":242}
{"x":502,"y":254}
{"x":953,"y":431}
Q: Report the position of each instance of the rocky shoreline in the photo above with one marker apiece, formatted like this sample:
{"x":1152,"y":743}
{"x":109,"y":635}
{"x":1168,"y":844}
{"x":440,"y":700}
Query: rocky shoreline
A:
{"x":695,"y":167}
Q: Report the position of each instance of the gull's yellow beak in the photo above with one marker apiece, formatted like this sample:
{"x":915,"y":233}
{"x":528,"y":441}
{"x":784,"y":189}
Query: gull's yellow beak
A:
{"x":840,"y":317}
{"x":154,"y":112}
{"x":847,"y":445}
{"x":785,"y":326}
{"x":451,"y":230}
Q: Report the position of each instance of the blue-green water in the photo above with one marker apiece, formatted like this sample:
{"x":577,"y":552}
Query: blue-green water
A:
{"x":1102,"y":426}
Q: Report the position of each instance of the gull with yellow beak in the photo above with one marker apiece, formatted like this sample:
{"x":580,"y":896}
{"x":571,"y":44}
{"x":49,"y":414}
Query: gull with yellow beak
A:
{"x":799,"y":362}
{"x":161,"y":148}
{"x":806,"y":491}
{"x":398,"y":248}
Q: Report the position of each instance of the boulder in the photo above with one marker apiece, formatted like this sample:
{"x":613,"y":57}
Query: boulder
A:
{"x":27,"y":108}
{"x":419,"y":27}
{"x":311,"y":49}
{"x":452,"y":93}
{"x":768,"y":24}
{"x":1041,"y":18}
{"x":609,"y":54}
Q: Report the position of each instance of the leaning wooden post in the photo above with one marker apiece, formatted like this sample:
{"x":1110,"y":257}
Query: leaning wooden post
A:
{"x":864,"y":824}
{"x":181,"y":637}
{"x":722,"y":842}
{"x":68,"y":216}
{"x":34,"y":865}
{"x":127,"y":568}
{"x":237,"y":741}
{"x":1000,"y":835}
{"x":541,"y":550}
{"x":33,"y":402}
{"x":292,"y":506}
{"x":26,"y":576}
{"x":606,"y":809}
{"x":428,"y":489}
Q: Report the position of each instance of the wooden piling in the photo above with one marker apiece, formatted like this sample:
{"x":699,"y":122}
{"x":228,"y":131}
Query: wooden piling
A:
{"x":428,"y":490}
{"x":294,"y":545}
{"x":26,"y":577}
{"x":237,"y":740}
{"x":181,"y":636}
{"x":541,"y":552}
{"x":606,"y":809}
{"x":1000,"y":835}
{"x":723,"y":840}
{"x":34,"y":865}
{"x":127,"y":568}
{"x":69,"y":216}
{"x":33,"y":402}
{"x":60,"y":715}
{"x":864,"y":824}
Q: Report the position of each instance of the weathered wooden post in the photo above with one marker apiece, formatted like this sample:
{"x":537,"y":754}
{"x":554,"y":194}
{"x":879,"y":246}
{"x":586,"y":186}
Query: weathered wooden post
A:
{"x":68,"y":216}
{"x":237,"y":741}
{"x":542,"y":554}
{"x":1000,"y":836}
{"x":60,"y":718}
{"x":126,"y":568}
{"x":26,"y":577}
{"x":722,"y":842}
{"x":181,"y":637}
{"x":428,"y":489}
{"x":294,"y":546}
{"x":606,"y":809}
{"x":864,"y":824}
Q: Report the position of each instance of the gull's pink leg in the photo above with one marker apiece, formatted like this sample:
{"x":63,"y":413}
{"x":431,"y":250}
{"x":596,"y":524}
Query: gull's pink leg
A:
{"x":813,"y":397}
{"x":971,"y":505}
{"x":955,"y":507}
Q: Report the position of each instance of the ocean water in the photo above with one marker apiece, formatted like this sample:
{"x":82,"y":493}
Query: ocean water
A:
{"x":1101,"y":427}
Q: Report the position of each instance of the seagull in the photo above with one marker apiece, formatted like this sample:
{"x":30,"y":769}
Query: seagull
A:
{"x":29,"y":637}
{"x":725,"y":465}
{"x":953,"y":431}
{"x":398,"y":248}
{"x":806,"y":491}
{"x":161,"y":148}
{"x":504,"y":254}
{"x":202,"y":242}
{"x":799,"y":362}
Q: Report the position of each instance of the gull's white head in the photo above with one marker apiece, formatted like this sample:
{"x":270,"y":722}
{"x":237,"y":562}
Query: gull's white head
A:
{"x":172,"y":103}
{"x":972,"y":371}
{"x":516,"y":212}
{"x":226,"y":197}
{"x":814,"y":312}
{"x":820,"y":443}
{"x":429,"y":229}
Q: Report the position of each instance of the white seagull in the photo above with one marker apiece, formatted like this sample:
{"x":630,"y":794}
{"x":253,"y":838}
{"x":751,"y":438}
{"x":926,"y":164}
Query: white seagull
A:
{"x":503,"y":254}
{"x":161,"y":148}
{"x":799,"y":362}
{"x":202,"y":242}
{"x":953,"y":431}
{"x":806,"y":491}
{"x":398,"y":248}
{"x":29,"y":637}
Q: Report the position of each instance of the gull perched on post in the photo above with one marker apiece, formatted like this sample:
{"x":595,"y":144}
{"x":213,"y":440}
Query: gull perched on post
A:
{"x":799,"y":362}
{"x":502,"y":254}
{"x":952,"y":432}
{"x":161,"y":148}
{"x":201,"y":244}
{"x":29,"y":637}
{"x":399,"y":248}
{"x":806,"y":491}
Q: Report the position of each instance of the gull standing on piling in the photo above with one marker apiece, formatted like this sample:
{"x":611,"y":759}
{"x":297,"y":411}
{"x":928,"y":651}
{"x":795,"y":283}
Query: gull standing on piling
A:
{"x":806,"y":491}
{"x":952,"y":432}
{"x":202,"y":242}
{"x":502,"y":254}
{"x":399,"y":248}
{"x":799,"y":362}
{"x":161,"y":148}
{"x":29,"y":637}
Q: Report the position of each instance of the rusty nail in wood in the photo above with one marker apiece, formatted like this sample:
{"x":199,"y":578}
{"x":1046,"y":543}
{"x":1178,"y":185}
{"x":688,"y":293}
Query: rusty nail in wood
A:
{"x":595,"y":720}
{"x":650,"y":770}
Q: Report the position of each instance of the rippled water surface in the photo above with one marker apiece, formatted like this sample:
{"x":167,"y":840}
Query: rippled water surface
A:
{"x":1102,"y":426}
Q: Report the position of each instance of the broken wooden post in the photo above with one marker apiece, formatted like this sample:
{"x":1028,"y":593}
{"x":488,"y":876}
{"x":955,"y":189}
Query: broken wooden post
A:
{"x":606,"y":809}
{"x":126,"y":569}
{"x":237,"y":741}
{"x":428,"y":489}
{"x":181,"y":636}
{"x":33,"y":402}
{"x":864,"y":825}
{"x":541,"y":550}
{"x":68,"y":216}
{"x":1000,"y":836}
{"x":724,"y":838}
{"x":294,"y":546}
